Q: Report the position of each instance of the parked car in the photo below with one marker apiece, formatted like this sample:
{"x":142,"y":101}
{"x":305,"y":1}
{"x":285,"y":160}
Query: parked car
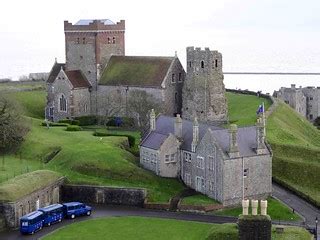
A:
{"x":75,"y":209}
{"x":52,"y":213}
{"x":31,"y":223}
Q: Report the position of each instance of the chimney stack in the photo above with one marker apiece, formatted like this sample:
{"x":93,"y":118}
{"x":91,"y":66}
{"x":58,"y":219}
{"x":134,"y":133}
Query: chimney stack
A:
{"x":178,"y":127}
{"x":195,"y":135}
{"x":233,"y":143}
{"x":152,"y":120}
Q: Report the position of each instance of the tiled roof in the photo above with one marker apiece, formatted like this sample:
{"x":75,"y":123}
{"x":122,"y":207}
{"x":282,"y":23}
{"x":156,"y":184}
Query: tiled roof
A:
{"x":154,"y":140}
{"x":55,"y":71}
{"x":136,"y":71}
{"x":165,"y":126}
{"x":77,"y":79}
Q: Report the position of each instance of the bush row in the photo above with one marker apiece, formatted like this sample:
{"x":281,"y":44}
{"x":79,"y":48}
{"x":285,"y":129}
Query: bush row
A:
{"x":131,"y":139}
{"x":73,"y":128}
{"x":54,"y":124}
{"x":70,"y":121}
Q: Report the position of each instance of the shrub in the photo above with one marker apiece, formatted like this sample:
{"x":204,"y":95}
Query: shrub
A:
{"x":54,"y":124}
{"x":70,"y":121}
{"x":73,"y":128}
{"x":131,"y":139}
{"x":120,"y":121}
{"x":225,"y":231}
{"x":86,"y":120}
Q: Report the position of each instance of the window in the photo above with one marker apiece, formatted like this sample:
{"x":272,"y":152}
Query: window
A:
{"x":176,"y":97}
{"x":216,"y":63}
{"x":190,"y":64}
{"x":109,"y":41}
{"x":187,"y":178}
{"x":51,"y":112}
{"x":83,"y":40}
{"x":180,"y":77}
{"x":78,"y":40}
{"x":200,"y":162}
{"x":173,"y":80}
{"x":211,"y":186}
{"x":113,"y":40}
{"x":167,"y":158}
{"x":173,"y":158}
{"x":211,"y":164}
{"x":153,"y":158}
{"x":187,"y":157}
{"x":81,"y":57}
{"x":246,"y":172}
{"x":311,"y":116}
{"x":202,"y":64}
{"x":85,"y":107}
{"x":200,"y":184}
{"x":310,"y":98}
{"x":62,"y":104}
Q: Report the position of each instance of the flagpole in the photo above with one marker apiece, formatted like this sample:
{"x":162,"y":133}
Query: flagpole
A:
{"x":263,"y":120}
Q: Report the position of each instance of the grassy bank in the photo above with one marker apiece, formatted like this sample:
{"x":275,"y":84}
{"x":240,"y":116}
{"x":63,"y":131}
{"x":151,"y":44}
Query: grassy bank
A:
{"x":118,"y":228}
{"x":296,"y":147}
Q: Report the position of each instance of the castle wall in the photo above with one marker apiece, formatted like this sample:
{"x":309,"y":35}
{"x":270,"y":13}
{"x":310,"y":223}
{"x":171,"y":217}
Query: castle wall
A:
{"x":312,"y":95}
{"x":257,"y":184}
{"x":204,"y":91}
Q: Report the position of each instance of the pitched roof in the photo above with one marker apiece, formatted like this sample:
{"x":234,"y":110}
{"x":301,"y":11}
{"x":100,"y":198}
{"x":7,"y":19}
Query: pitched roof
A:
{"x":136,"y":71}
{"x":55,"y":71}
{"x":77,"y":79}
{"x":165,"y":126}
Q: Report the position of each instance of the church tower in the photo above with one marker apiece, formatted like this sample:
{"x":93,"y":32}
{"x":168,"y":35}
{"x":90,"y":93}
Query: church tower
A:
{"x":204,"y":91}
{"x":89,"y":44}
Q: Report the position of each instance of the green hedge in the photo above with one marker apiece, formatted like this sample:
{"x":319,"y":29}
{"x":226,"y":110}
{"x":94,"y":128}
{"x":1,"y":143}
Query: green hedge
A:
{"x":73,"y":128}
{"x":126,"y":122}
{"x":131,"y":139}
{"x":87,"y":120}
{"x":70,"y":121}
{"x":227,"y":231}
{"x":54,"y":124}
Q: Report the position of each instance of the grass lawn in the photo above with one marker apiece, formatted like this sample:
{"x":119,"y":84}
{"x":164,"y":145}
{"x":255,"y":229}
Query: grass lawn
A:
{"x":24,"y":184}
{"x":296,"y":147}
{"x":118,"y":228}
{"x":276,"y":210}
{"x":243,"y":108}
{"x":199,"y":199}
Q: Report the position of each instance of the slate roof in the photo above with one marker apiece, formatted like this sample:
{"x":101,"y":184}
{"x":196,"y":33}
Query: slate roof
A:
{"x":136,"y":71}
{"x":55,"y":71}
{"x":77,"y":79}
{"x":165,"y":126}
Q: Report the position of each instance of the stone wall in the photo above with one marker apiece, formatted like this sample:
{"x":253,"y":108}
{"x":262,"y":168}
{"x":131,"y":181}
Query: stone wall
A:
{"x":103,"y":195}
{"x":81,"y":102}
{"x":204,"y":91}
{"x":12,"y":211}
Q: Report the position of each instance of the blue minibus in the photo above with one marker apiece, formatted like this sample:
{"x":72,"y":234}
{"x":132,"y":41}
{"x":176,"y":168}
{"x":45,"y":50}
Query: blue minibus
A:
{"x":74,"y":209}
{"x":31,"y":222}
{"x":52,"y":213}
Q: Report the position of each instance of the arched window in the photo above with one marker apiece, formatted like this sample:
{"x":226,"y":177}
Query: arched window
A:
{"x":62,"y":104}
{"x":216,"y":63}
{"x":202,"y":64}
{"x":113,"y":40}
{"x":109,"y":41}
{"x":85,"y":107}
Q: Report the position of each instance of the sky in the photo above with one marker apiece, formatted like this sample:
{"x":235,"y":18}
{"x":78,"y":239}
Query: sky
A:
{"x":264,"y":35}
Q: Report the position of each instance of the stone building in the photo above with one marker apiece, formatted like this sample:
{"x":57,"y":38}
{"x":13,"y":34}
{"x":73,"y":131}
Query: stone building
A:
{"x":225,"y":164}
{"x":12,"y":211}
{"x":97,"y":79}
{"x":203,"y":90}
{"x":305,"y":101}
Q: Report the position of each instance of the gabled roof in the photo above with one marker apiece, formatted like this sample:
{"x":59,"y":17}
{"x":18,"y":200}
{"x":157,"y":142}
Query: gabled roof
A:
{"x":136,"y":71}
{"x":55,"y":71}
{"x":165,"y":126}
{"x":77,"y":79}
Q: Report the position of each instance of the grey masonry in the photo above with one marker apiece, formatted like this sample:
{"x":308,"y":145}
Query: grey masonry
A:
{"x":305,"y":100}
{"x":225,"y":164}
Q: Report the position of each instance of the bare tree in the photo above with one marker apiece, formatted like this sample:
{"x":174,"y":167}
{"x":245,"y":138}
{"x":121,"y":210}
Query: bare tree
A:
{"x":111,"y":105}
{"x":12,"y":127}
{"x":140,"y":103}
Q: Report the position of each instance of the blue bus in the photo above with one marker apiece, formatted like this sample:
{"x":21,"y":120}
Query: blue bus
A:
{"x":52,"y":213}
{"x":74,"y":209}
{"x":31,"y":222}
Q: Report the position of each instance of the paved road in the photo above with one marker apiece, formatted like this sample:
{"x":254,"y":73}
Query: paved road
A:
{"x":111,"y":211}
{"x":304,"y":208}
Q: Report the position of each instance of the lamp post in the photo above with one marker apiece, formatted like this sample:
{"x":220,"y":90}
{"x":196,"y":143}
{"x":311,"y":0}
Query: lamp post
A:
{"x":316,"y":227}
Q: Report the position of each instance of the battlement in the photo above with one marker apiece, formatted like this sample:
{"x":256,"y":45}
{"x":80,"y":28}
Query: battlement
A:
{"x":198,"y":49}
{"x":94,"y":26}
